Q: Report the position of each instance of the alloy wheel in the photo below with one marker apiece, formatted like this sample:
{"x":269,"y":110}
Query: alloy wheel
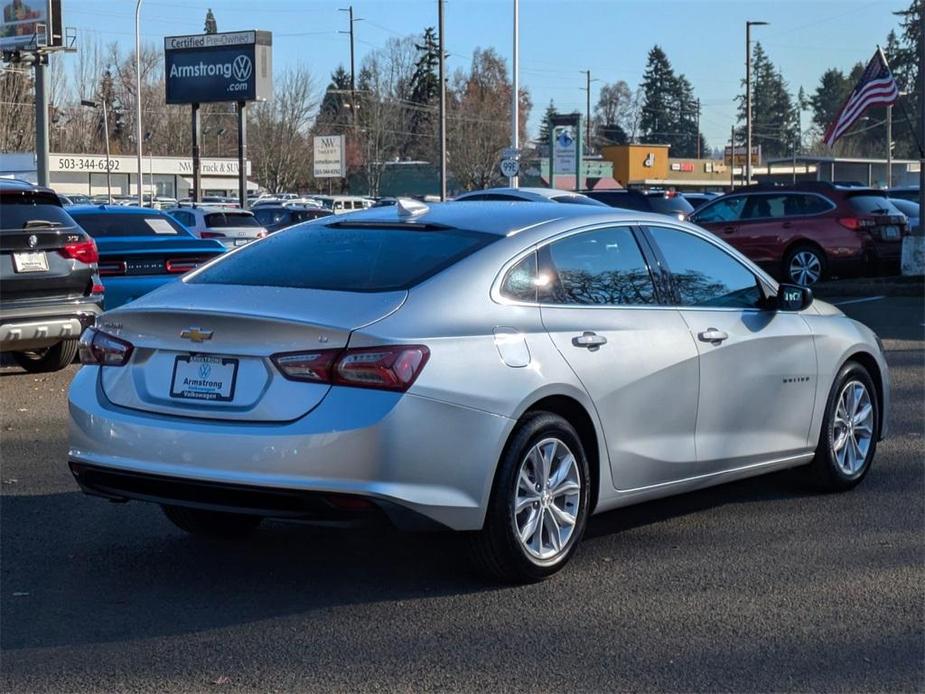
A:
{"x":547,"y":499}
{"x":852,"y":427}
{"x":805,"y":268}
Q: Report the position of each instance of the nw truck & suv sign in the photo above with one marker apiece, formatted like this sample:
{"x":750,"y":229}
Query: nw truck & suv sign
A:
{"x":234,"y":66}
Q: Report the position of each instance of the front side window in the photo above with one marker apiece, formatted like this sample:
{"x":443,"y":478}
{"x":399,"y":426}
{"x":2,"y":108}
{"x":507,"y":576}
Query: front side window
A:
{"x":596,"y":268}
{"x":704,"y":274}
{"x":723,"y":210}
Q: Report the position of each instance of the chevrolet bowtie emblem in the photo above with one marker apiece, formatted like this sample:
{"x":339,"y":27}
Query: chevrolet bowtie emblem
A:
{"x":196,"y":334}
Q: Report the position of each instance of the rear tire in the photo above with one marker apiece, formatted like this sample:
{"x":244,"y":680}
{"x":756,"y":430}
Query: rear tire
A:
{"x":212,"y":524}
{"x":53,"y":358}
{"x":544,"y":473}
{"x":805,"y":265}
{"x":850,"y":430}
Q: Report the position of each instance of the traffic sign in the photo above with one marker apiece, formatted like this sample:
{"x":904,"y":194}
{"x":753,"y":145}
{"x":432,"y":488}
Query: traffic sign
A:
{"x":510,"y":153}
{"x":509,"y":167}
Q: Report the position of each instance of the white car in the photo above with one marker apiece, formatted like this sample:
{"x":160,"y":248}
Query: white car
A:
{"x":231,"y":226}
{"x":341,"y":204}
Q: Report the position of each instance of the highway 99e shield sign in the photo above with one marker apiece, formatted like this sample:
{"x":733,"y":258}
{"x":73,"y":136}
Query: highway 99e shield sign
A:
{"x":232,"y":66}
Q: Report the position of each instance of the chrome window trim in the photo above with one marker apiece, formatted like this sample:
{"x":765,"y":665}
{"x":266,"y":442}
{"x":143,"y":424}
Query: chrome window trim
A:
{"x":498,"y":298}
{"x":741,"y":220}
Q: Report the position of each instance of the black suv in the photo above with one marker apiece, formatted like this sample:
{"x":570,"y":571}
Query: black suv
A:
{"x":49,"y":286}
{"x":657,"y":201}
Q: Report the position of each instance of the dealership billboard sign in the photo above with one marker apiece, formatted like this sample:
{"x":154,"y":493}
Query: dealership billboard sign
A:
{"x":329,"y":156}
{"x":231,"y":66}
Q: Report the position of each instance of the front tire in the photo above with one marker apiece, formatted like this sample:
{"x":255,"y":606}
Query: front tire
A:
{"x":212,"y":524}
{"x":53,"y":358}
{"x":850,"y":430}
{"x":539,"y":503}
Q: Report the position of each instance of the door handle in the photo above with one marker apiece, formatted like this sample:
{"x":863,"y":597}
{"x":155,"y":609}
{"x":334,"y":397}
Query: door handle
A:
{"x":713,"y":336}
{"x":728,"y":230}
{"x":590,"y":340}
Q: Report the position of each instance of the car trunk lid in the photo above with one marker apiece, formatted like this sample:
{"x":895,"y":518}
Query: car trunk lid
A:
{"x":203,"y":350}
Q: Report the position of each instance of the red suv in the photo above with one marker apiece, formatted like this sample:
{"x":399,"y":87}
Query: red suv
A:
{"x":809,"y":231}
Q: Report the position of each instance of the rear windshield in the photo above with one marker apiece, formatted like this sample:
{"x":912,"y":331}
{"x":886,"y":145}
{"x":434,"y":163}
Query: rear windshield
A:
{"x":368,"y":259}
{"x":106,"y":225}
{"x":872,"y":203}
{"x":670,"y":205}
{"x":217,"y":220}
{"x":577,"y":200}
{"x":18,"y":211}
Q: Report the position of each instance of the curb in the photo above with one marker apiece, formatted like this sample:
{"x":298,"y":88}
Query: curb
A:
{"x":872,"y":286}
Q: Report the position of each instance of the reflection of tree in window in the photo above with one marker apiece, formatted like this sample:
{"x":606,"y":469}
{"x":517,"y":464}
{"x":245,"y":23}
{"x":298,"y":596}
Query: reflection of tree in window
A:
{"x":611,"y":287}
{"x":697,"y":289}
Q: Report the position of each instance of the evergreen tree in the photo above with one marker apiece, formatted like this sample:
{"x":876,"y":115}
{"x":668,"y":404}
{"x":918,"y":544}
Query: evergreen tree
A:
{"x":211,"y":26}
{"x":773,"y":123}
{"x":333,"y":115}
{"x":543,"y":137}
{"x":829,"y":96}
{"x":424,"y":95}
{"x":669,"y":108}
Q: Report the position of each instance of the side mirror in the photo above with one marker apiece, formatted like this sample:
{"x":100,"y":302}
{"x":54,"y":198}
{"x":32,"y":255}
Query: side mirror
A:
{"x":792,"y":297}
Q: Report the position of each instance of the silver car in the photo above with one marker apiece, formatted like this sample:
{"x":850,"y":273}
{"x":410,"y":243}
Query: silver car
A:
{"x":488,"y":367}
{"x":228,"y":225}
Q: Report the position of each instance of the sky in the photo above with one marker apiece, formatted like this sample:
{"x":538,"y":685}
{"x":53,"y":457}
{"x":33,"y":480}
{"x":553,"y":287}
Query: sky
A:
{"x":559,"y":39}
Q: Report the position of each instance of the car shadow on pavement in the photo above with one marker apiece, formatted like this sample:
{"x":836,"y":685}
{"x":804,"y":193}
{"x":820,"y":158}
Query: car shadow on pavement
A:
{"x":79,"y":570}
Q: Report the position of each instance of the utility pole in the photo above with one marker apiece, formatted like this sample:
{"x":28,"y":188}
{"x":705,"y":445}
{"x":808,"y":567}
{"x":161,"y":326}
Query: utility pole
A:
{"x":587,"y":108}
{"x":41,"y":122}
{"x":141,"y":202}
{"x":515,"y":91}
{"x":921,"y":19}
{"x":748,"y":99}
{"x":732,"y":158}
{"x":889,"y":146}
{"x":698,"y":129}
{"x":442,"y":76}
{"x":353,"y":86}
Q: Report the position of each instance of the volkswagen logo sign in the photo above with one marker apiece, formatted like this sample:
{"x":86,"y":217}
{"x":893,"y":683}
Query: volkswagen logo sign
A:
{"x":33,"y":241}
{"x":241,"y":68}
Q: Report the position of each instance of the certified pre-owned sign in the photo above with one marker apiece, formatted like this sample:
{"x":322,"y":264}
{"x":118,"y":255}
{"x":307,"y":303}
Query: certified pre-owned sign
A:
{"x":235,"y":66}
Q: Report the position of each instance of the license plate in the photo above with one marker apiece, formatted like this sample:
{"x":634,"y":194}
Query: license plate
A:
{"x":241,"y":242}
{"x":203,"y":377}
{"x":890,"y":233}
{"x":35,"y":261}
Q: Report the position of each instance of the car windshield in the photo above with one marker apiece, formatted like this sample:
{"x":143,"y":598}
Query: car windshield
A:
{"x":577,"y":200}
{"x":871,"y":203}
{"x":674,"y":204}
{"x":217,"y":220}
{"x":908,"y":208}
{"x":339,"y":258}
{"x":106,"y":225}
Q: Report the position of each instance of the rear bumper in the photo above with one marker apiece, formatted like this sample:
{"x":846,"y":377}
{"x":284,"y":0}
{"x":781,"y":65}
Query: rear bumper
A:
{"x":41,"y":324}
{"x":430,"y":458}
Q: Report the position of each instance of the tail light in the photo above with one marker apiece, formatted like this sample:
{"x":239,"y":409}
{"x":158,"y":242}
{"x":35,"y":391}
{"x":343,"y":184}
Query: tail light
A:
{"x":391,"y":367}
{"x":211,"y":235}
{"x":97,"y":289}
{"x":856,"y":223}
{"x":84,"y":251}
{"x":101,"y":349}
{"x":181,"y":265}
{"x":112,"y":267}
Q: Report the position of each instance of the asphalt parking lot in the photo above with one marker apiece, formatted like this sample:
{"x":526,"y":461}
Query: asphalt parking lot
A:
{"x":753,"y":586}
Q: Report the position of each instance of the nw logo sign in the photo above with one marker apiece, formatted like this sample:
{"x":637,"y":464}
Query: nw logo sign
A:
{"x":242,"y":68}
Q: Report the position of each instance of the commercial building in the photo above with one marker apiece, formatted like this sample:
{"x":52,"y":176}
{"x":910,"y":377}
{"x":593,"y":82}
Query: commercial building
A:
{"x":165,"y":176}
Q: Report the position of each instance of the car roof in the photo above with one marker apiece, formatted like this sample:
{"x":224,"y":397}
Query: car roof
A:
{"x":493,"y":217}
{"x":548,"y":193}
{"x":118,"y":209}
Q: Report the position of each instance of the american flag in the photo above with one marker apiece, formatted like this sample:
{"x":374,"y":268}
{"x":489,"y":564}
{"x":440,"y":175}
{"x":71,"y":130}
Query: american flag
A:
{"x":875,"y":88}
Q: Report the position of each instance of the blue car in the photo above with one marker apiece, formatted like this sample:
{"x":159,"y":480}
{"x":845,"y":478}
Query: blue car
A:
{"x":140,"y":249}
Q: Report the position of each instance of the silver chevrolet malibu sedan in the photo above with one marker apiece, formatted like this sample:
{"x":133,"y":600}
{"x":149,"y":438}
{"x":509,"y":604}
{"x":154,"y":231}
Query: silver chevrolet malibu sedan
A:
{"x":505,"y":369}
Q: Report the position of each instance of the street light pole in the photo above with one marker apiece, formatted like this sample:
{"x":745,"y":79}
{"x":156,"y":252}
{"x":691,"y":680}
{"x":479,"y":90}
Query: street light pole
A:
{"x":138,"y":97}
{"x":353,"y":86}
{"x":515,"y":91}
{"x":441,"y":73}
{"x":93,"y":104}
{"x":748,"y":99}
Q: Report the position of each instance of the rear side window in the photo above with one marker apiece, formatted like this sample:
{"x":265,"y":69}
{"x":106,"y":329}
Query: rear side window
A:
{"x":218,"y":220}
{"x":184,"y":218}
{"x":520,"y":282}
{"x":18,"y":211}
{"x":368,"y":259}
{"x":596,"y":268}
{"x":103,"y":225}
{"x":705,"y":275}
{"x":871,"y":204}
